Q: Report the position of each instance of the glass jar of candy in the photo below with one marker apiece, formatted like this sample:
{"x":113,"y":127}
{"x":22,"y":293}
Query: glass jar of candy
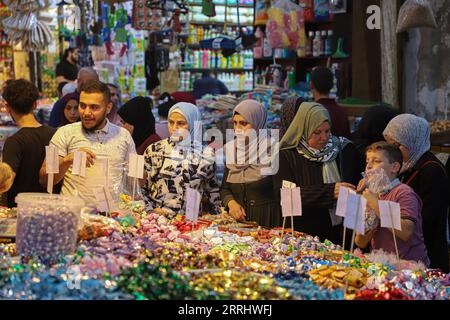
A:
{"x":46,"y":226}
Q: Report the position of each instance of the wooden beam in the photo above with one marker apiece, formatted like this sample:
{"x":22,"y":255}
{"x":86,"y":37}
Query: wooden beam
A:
{"x":389,"y":47}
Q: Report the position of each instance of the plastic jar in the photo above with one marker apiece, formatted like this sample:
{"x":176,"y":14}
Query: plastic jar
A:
{"x":47,"y":226}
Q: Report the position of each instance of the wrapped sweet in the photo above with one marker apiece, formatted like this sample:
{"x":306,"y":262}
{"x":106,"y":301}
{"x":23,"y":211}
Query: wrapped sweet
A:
{"x":371,"y":220}
{"x":47,"y":226}
{"x":94,"y":226}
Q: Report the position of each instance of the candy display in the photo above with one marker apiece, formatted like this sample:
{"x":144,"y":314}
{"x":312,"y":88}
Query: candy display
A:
{"x":46,"y":226}
{"x":139,"y":254}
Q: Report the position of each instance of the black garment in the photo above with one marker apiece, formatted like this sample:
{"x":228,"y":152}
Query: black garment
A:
{"x":256,"y":198}
{"x":208,"y":85}
{"x":370,"y":130}
{"x":317,"y":197}
{"x":151,"y":69}
{"x":431,"y":184}
{"x":138,"y":112}
{"x":67,"y":70}
{"x":25,"y":153}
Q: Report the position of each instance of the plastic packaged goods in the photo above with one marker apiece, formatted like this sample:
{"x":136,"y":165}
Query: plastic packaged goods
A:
{"x":47,"y":226}
{"x":308,"y":9}
{"x":321,"y":10}
{"x":329,"y":43}
{"x":286,"y":28}
{"x":316,"y":44}
{"x":415,"y":14}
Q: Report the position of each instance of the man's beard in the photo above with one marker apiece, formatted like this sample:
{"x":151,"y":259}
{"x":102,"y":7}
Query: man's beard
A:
{"x":94,"y":128}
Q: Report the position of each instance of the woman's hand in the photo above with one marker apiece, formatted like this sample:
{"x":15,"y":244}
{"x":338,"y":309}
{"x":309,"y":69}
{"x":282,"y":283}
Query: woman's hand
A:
{"x":236,"y":210}
{"x":342,"y":184}
{"x":372,"y":200}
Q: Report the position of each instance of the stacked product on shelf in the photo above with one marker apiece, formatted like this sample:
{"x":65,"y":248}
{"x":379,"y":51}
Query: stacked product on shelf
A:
{"x":236,"y":70}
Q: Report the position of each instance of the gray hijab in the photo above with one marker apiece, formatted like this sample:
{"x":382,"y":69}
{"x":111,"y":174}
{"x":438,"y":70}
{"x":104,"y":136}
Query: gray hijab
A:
{"x":241,"y":170}
{"x":413,"y":133}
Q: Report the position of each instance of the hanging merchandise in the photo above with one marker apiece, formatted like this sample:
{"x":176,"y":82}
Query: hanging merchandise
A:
{"x":122,"y":20}
{"x":415,"y":14}
{"x":286,"y":28}
{"x":147,"y":18}
{"x":229,"y":46}
{"x":162,"y":58}
{"x":158,"y":15}
{"x":308,"y":9}
{"x":208,"y":8}
{"x":25,"y":26}
{"x":322,"y":10}
{"x":261,"y":8}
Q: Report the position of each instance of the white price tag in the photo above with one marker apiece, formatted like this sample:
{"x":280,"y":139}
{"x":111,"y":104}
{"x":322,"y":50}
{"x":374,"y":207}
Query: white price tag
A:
{"x":390,"y":216}
{"x":136,"y":166}
{"x":355,"y":212}
{"x":193,"y":198}
{"x":105,"y":202}
{"x":291,"y":202}
{"x":51,"y":159}
{"x":79,"y":163}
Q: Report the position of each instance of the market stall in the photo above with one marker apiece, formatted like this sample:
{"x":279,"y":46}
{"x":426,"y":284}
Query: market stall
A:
{"x":134,"y":254}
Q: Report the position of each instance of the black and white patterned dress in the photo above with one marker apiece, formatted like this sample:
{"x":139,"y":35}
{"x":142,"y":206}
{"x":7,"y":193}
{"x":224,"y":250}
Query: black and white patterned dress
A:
{"x":171,"y":169}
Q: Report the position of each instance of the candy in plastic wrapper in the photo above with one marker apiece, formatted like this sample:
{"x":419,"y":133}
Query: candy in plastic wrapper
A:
{"x":371,"y":220}
{"x":94,"y":226}
{"x":46,"y":226}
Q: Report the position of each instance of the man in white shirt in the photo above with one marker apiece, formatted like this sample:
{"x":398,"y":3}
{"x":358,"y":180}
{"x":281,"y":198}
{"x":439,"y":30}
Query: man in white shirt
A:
{"x":99,"y":138}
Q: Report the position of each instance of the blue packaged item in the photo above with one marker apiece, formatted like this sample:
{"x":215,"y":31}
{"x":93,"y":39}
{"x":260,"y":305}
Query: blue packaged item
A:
{"x":321,"y":10}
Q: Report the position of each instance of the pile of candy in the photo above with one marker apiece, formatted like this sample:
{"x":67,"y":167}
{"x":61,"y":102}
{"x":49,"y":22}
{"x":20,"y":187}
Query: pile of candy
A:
{"x":145,"y":255}
{"x":46,"y":234}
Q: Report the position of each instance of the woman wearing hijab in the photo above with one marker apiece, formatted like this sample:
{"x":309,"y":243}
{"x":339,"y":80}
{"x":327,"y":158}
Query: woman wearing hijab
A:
{"x":246,"y":191}
{"x":288,"y":111}
{"x":136,"y":116}
{"x":318,"y":163}
{"x":176,"y":163}
{"x":423,"y":172}
{"x":370,"y":130}
{"x":70,"y":112}
{"x":66,"y":110}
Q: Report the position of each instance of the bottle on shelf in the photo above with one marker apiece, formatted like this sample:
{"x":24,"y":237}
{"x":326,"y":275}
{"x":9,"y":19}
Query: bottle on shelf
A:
{"x":309,"y":44}
{"x":267,"y":50}
{"x":322,"y":42}
{"x":316,"y":45}
{"x":329,"y":43}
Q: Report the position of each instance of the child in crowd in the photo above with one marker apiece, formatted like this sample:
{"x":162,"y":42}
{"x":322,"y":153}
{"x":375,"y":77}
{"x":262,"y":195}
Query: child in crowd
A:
{"x":410,"y":243}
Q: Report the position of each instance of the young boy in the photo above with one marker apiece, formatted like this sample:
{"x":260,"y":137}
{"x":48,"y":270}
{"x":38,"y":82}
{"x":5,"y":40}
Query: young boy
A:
{"x":410,"y":243}
{"x":24,"y":151}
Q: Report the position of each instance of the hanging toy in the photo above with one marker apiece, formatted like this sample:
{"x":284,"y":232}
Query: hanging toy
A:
{"x":176,"y":25}
{"x":122,"y":19}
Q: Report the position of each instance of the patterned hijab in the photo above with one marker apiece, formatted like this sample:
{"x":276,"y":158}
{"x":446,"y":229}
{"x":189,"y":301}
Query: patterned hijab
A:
{"x":288,"y":111}
{"x":413,"y":133}
{"x":308,"y":118}
{"x":241,"y":169}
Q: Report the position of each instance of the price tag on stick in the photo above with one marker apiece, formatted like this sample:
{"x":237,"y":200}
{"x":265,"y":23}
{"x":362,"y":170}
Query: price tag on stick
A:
{"x":390,"y":216}
{"x":136,"y":166}
{"x":104,"y":199}
{"x":354,"y":213}
{"x":79,"y":163}
{"x":193,"y":198}
{"x":51,"y":165}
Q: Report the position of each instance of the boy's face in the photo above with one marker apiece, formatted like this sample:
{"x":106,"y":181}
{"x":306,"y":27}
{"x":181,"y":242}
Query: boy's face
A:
{"x":378,"y":159}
